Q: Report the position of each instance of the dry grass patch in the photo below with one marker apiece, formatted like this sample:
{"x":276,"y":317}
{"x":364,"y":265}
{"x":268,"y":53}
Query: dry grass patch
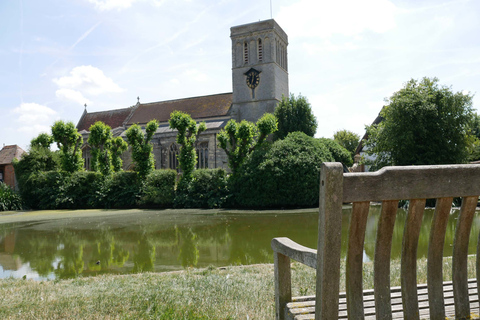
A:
{"x":245,"y":292}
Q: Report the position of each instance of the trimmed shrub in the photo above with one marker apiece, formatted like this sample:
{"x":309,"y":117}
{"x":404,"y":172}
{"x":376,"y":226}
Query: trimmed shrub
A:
{"x":45,"y":189}
{"x":159,"y":189}
{"x":339,"y":153}
{"x":207,"y":189}
{"x":9,"y":199}
{"x":283,"y":174}
{"x":122,"y":190}
{"x":82,"y":190}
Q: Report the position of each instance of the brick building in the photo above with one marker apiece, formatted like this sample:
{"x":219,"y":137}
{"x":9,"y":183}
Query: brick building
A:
{"x":7,"y":172}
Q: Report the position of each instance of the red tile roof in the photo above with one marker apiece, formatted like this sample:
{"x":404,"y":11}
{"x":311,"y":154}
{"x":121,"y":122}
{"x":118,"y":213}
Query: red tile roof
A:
{"x":198,"y":108}
{"x":8,"y":153}
{"x":113,"y":118}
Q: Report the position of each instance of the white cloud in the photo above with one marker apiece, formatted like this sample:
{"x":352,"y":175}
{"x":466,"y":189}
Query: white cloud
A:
{"x":34,"y":118}
{"x":69,"y":94}
{"x":104,"y":5}
{"x":112,"y":4}
{"x":196,"y":75}
{"x":88,"y":80}
{"x":324,"y":18}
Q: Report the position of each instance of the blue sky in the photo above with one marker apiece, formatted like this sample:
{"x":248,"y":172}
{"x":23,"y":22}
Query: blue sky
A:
{"x":345,"y":56}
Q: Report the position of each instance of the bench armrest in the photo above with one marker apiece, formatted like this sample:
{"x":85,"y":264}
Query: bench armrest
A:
{"x":295,"y":251}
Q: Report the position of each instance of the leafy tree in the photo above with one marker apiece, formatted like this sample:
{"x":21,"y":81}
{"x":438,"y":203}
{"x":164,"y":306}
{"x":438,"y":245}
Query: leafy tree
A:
{"x":39,"y":158}
{"x":283,"y":174}
{"x":100,"y":139}
{"x":188,"y":132}
{"x":240,"y":139}
{"x":347,"y":139}
{"x":475,"y":132}
{"x":424,"y":123}
{"x":295,"y":114}
{"x":43,"y":140}
{"x":141,"y":147}
{"x":68,"y":141}
{"x":117,"y":147}
{"x":339,"y":153}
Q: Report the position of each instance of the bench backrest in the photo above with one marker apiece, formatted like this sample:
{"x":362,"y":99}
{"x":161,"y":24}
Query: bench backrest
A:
{"x":388,"y":186}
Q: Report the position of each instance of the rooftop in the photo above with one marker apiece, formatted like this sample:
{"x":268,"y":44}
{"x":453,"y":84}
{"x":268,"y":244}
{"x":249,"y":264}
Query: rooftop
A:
{"x":8,"y":153}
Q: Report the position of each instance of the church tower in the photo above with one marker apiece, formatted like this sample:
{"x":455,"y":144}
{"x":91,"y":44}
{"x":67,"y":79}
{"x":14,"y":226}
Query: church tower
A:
{"x":259,"y":69}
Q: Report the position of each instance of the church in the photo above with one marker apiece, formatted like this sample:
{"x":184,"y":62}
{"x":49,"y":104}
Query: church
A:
{"x":259,"y":80}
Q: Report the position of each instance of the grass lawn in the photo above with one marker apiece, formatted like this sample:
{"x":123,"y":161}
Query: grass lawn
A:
{"x":242,"y":292}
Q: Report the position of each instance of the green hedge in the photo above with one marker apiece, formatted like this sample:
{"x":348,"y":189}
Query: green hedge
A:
{"x":339,"y":153}
{"x":283,"y":174}
{"x":159,"y":189}
{"x":9,"y":199}
{"x":207,"y":189}
{"x":122,"y":190}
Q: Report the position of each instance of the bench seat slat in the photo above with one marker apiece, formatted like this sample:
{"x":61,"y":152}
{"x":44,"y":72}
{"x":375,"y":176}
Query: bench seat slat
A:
{"x":304,"y":307}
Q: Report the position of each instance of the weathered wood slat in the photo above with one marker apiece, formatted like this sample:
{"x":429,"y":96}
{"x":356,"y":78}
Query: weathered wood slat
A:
{"x":354,"y":267}
{"x":409,"y":258}
{"x":412,"y":182}
{"x":383,"y":248}
{"x":295,"y":251}
{"x":329,"y":240}
{"x":283,"y":283}
{"x":304,"y":307}
{"x":435,"y":258}
{"x":478,"y":265}
{"x":460,"y":254}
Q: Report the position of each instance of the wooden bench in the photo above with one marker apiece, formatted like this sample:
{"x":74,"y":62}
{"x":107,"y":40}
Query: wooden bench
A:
{"x":434,"y":300}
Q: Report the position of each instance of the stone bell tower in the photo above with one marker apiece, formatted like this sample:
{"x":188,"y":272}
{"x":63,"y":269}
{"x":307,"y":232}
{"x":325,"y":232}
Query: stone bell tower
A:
{"x":259,"y":68}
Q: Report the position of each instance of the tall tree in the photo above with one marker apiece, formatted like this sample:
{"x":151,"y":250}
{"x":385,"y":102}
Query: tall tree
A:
{"x":188,"y":132}
{"x":141,"y":147}
{"x":347,"y":139}
{"x":295,"y":114}
{"x":69,"y":142}
{"x":43,"y":140}
{"x":424,"y":123}
{"x":100,"y":139}
{"x":240,"y":139}
{"x":117,"y":147}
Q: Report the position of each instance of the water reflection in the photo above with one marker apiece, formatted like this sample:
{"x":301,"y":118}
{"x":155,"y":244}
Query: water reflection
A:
{"x":170,"y":240}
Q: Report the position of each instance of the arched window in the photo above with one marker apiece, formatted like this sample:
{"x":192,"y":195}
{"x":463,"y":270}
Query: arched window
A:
{"x":173,"y":157}
{"x":260,"y":50}
{"x":202,"y":155}
{"x":245,"y":52}
{"x":86,"y":155}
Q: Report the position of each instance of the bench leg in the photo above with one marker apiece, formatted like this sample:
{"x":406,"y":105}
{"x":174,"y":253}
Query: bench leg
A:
{"x":283,"y":284}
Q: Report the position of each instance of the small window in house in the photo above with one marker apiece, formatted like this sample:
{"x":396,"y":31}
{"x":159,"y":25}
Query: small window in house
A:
{"x":202,"y":156}
{"x":173,"y":157}
{"x":245,"y":52}
{"x":260,"y":50}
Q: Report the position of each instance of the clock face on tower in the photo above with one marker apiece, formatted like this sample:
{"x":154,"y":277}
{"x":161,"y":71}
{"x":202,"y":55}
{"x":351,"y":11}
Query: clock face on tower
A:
{"x":253,"y":78}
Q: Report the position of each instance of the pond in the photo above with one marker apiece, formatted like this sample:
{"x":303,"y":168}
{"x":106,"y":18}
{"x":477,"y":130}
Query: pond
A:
{"x":86,"y":243}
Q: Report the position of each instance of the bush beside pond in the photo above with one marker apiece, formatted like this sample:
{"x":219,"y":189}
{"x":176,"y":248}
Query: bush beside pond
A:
{"x":284,"y":174}
{"x":208,"y":189}
{"x":9,"y":199}
{"x":159,"y":190}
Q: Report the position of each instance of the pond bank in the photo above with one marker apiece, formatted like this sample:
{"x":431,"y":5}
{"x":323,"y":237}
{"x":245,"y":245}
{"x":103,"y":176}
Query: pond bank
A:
{"x":23,"y":216}
{"x":238,"y":292}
